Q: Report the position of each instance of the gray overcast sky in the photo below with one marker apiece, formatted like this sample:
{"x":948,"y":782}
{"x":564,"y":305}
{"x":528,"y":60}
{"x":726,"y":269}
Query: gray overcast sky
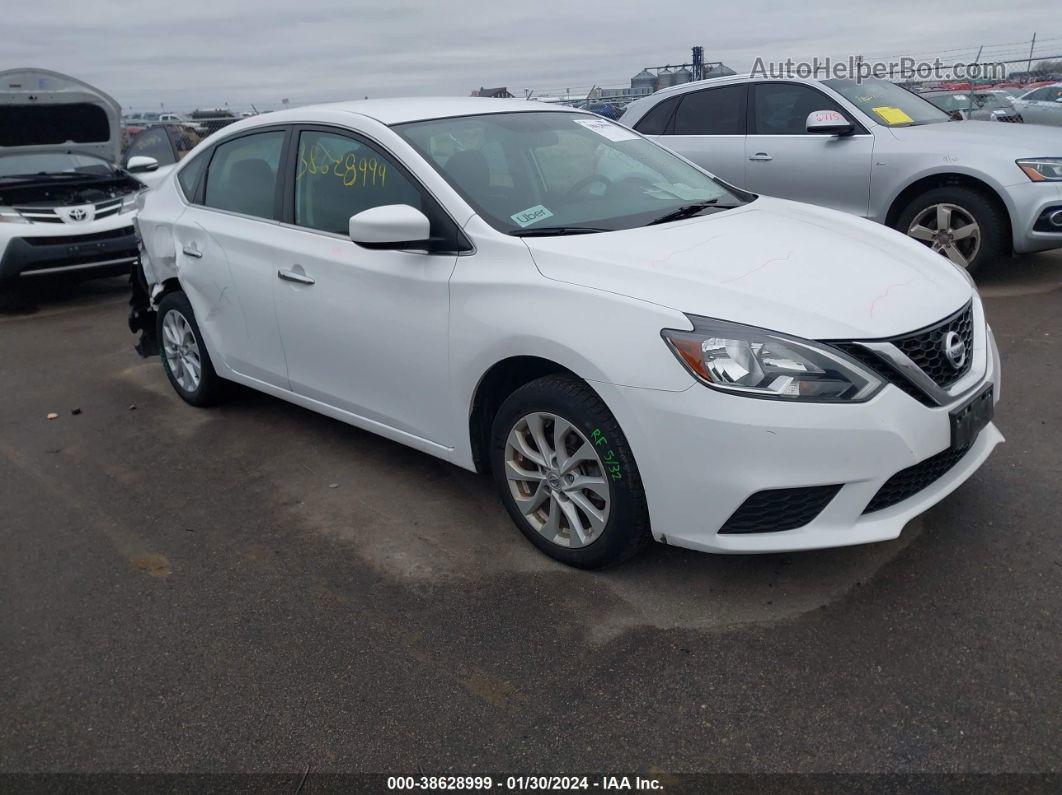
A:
{"x":188,"y":53}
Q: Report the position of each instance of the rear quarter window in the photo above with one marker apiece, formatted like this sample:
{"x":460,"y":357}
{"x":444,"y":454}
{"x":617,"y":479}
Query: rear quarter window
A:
{"x":188,"y":176}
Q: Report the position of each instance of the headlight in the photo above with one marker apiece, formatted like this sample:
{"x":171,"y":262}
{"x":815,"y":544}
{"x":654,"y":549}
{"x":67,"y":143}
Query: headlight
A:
{"x":1042,"y":169}
{"x":129,"y":202}
{"x":9,"y":215}
{"x":752,"y":361}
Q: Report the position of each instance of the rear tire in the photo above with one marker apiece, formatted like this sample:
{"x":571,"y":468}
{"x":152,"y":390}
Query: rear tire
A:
{"x":184,"y":354}
{"x":985,"y":242}
{"x":566,"y":474}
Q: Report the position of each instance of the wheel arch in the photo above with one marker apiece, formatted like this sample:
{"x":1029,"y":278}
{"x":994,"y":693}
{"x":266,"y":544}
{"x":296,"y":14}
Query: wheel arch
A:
{"x":499,"y":381}
{"x":948,"y":179}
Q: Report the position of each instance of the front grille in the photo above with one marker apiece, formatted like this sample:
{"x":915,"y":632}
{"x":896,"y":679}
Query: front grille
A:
{"x":775,"y":510}
{"x":48,"y":215}
{"x":107,"y":208}
{"x":926,"y":348}
{"x":883,"y":368}
{"x":908,"y":482}
{"x":73,"y":240}
{"x":39,"y":215}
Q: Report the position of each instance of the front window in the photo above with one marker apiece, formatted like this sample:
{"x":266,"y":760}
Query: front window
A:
{"x":887,"y":103}
{"x":45,"y":163}
{"x":339,"y":176}
{"x":555,"y":170}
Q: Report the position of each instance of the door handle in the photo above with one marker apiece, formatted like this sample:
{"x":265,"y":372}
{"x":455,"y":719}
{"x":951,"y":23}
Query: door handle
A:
{"x":292,"y":276}
{"x":761,"y":156}
{"x":192,"y":252}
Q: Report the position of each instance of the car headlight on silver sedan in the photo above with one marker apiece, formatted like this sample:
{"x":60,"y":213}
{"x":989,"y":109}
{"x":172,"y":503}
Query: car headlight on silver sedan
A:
{"x":755,"y":362}
{"x":1042,"y":169}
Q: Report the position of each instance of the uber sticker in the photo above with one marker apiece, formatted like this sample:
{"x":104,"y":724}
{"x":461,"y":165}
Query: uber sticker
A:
{"x":607,"y":129}
{"x":532,"y":215}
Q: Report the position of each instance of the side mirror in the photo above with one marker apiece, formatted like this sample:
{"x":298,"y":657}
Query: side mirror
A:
{"x":828,"y":122}
{"x":390,"y":226}
{"x":141,"y":163}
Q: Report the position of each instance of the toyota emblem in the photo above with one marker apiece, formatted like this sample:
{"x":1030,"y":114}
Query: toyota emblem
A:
{"x":77,"y":214}
{"x":955,"y":349}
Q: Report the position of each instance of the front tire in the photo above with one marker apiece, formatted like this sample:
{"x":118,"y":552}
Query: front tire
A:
{"x":566,"y":474}
{"x":184,"y":354}
{"x":959,"y":223}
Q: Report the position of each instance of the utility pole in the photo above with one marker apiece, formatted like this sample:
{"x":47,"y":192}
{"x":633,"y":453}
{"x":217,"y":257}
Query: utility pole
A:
{"x":1031,"y":47}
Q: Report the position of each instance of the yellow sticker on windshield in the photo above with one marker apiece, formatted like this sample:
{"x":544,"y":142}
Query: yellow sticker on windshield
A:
{"x":893,"y":115}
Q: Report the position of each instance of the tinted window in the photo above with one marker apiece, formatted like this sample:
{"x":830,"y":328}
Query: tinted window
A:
{"x":338,"y":177}
{"x":655,"y":121}
{"x":783,"y":108}
{"x":242,"y":175}
{"x":1038,"y":95}
{"x":188,"y":176}
{"x":717,"y":111}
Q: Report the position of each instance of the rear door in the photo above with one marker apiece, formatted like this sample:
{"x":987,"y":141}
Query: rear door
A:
{"x":706,"y":126}
{"x":786,"y":161}
{"x":225,"y":253}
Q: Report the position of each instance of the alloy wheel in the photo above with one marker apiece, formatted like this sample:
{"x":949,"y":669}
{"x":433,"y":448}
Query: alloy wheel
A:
{"x":557,"y":479}
{"x":181,"y":351}
{"x":950,"y":230}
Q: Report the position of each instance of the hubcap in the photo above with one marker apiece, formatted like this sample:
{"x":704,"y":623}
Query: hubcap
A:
{"x":949,"y":230}
{"x":181,"y":351}
{"x":557,"y":480}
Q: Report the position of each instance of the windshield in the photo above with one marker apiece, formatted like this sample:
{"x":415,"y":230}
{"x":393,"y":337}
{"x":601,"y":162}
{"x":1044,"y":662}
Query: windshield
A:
{"x":887,"y":103}
{"x":34,"y":164}
{"x":554,"y":170}
{"x":950,"y":101}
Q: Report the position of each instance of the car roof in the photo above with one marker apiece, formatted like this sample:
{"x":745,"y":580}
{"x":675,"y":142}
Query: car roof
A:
{"x":405,"y":109}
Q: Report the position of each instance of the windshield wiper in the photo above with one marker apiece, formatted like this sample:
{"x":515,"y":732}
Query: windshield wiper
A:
{"x":689,"y":210}
{"x":549,"y":231}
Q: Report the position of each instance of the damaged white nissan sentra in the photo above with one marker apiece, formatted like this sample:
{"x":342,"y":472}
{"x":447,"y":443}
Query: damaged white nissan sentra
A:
{"x":633,"y":348}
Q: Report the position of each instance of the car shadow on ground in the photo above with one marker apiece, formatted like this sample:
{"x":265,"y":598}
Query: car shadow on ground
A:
{"x":48,"y":293}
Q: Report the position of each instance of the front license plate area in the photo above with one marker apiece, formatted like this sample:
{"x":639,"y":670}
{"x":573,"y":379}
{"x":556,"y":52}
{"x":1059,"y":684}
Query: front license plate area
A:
{"x":970,"y":419}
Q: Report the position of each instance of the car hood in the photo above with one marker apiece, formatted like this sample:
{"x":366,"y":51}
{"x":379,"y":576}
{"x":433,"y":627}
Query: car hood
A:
{"x":1025,"y":140}
{"x":776,"y":264}
{"x":42,"y":110}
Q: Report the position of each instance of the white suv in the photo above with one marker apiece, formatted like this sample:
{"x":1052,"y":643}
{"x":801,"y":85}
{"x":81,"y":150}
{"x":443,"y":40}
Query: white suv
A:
{"x":634,"y":349}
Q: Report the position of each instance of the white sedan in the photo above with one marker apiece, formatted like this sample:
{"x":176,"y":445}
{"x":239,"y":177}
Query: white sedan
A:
{"x":634,"y":349}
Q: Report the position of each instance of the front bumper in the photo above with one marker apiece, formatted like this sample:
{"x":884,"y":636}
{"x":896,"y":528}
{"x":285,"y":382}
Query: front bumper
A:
{"x":1029,"y":201}
{"x":702,"y":453}
{"x":37,"y":249}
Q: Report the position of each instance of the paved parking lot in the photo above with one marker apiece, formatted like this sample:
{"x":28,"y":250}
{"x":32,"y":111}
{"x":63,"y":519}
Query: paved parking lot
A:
{"x":256,"y":587}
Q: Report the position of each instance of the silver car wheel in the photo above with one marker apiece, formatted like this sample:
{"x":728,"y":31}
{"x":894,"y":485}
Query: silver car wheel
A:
{"x":557,"y":480}
{"x":181,"y":351}
{"x":949,"y":230}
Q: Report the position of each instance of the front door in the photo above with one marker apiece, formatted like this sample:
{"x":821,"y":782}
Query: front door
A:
{"x":784,"y":160}
{"x":365,"y":331}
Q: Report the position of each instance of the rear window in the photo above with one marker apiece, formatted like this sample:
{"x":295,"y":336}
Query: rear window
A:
{"x":32,"y":125}
{"x":656,"y":120}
